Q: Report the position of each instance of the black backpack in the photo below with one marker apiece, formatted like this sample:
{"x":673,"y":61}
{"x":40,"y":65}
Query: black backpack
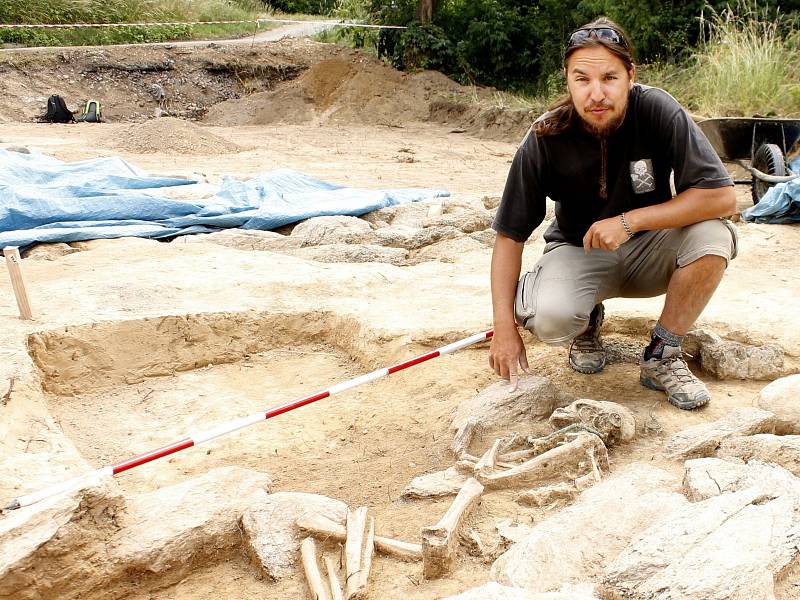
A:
{"x":57,"y":111}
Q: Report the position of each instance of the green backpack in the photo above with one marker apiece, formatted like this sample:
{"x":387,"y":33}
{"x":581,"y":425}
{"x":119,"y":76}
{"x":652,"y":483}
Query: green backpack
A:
{"x":91,"y":112}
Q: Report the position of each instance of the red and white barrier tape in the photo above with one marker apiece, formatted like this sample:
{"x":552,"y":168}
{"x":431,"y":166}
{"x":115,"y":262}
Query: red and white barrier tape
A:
{"x":231,"y":426}
{"x":151,"y":24}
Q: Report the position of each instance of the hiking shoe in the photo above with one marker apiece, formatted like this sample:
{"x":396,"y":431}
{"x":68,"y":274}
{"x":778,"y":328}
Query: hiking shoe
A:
{"x":586,"y":353}
{"x":671,"y":374}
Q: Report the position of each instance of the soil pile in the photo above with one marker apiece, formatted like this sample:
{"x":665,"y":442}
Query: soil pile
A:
{"x":167,"y":135}
{"x":350,"y":88}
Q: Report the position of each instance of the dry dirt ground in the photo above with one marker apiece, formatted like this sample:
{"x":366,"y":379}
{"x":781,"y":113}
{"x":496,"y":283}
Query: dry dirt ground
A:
{"x":257,"y":328}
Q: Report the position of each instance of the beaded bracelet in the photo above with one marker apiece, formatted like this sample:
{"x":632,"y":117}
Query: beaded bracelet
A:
{"x":626,"y":226}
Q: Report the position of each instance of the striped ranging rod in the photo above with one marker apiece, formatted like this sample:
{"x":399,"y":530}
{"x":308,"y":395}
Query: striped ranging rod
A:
{"x":231,"y":426}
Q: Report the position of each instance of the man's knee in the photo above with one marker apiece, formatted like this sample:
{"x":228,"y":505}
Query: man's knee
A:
{"x":714,"y":237}
{"x":558,"y":324}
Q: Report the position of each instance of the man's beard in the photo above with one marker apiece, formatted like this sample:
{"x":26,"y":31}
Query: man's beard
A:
{"x":606,"y":129}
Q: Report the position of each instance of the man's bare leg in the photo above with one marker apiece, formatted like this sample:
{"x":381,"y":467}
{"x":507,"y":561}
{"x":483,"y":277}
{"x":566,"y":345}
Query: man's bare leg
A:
{"x":690,"y":288}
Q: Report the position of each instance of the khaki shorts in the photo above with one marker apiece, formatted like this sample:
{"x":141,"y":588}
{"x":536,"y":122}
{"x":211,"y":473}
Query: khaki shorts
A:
{"x":554,"y":300}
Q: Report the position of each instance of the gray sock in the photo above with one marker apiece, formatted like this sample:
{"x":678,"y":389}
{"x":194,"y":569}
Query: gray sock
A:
{"x":661,"y":337}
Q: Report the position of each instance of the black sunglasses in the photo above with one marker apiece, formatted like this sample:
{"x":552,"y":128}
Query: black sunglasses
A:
{"x":601,"y":33}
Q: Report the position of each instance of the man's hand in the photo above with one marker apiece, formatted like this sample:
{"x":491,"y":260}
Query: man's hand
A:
{"x":507,"y":355}
{"x":608,"y":234}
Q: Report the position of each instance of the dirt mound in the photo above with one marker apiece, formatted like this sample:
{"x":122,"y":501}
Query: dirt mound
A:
{"x":350,"y":88}
{"x":169,"y":134}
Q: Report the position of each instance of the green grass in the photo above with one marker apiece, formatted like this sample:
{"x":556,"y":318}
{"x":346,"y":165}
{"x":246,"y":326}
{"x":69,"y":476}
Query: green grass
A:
{"x":747,"y":66}
{"x":128,"y":11}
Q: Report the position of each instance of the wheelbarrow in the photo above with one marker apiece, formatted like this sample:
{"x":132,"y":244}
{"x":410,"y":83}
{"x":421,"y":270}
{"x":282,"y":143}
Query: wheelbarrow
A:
{"x":763,"y":142}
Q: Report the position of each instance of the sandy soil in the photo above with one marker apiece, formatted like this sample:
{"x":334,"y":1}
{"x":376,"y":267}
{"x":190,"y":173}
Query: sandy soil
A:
{"x":121,"y":308}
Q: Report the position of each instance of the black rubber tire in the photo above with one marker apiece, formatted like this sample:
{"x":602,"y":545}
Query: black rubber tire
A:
{"x":767,"y":159}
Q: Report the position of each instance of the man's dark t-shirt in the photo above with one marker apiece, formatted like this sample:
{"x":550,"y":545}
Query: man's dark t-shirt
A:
{"x":656,"y":137}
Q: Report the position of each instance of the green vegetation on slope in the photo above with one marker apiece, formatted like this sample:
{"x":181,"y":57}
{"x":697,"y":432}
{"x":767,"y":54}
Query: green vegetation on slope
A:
{"x":124,"y":11}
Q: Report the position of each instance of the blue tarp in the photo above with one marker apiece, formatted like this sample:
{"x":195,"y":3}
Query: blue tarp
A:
{"x":781,"y":203}
{"x":43,"y":199}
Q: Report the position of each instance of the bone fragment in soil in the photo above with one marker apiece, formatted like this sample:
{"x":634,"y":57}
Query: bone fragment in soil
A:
{"x":540,"y":445}
{"x":325,"y":529}
{"x":333,"y":579}
{"x":358,"y":552}
{"x":439,"y":542}
{"x":569,"y":460}
{"x":488,"y":462}
{"x":463,"y":438}
{"x":316,"y":584}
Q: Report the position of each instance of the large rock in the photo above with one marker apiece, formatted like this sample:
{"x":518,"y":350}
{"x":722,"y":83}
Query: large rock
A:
{"x":726,"y":359}
{"x":783,"y":450}
{"x":270,"y":528}
{"x":708,"y":477}
{"x":173,"y":526}
{"x":704,"y":439}
{"x":80,"y":545}
{"x":495,"y":407}
{"x":495,"y":591}
{"x":782,"y":397}
{"x":729,"y":546}
{"x":333,"y":230}
{"x":576,"y":544}
{"x":612,"y":421}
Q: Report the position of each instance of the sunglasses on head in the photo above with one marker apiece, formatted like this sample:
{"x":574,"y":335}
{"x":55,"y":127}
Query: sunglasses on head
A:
{"x":601,"y":33}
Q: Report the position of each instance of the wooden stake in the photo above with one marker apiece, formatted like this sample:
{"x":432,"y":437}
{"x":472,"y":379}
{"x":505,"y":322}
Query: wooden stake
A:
{"x":13,"y":262}
{"x":322,"y":527}
{"x":308,"y":554}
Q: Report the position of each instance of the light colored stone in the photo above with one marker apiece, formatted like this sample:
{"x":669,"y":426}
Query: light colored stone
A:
{"x":704,"y":439}
{"x":49,"y":251}
{"x":442,"y":483}
{"x":549,"y":495}
{"x":708,"y":477}
{"x":353,"y":253}
{"x":495,"y":591}
{"x":243,"y":239}
{"x":729,"y":546}
{"x":577,"y":543}
{"x":333,"y":230}
{"x":782,"y":397}
{"x":204,"y":515}
{"x":513,"y":532}
{"x":272,"y":538}
{"x":495,"y":407}
{"x":727,"y":359}
{"x":414,"y":239}
{"x":464,"y":218}
{"x":85,"y":542}
{"x":783,"y":450}
{"x":615,"y":423}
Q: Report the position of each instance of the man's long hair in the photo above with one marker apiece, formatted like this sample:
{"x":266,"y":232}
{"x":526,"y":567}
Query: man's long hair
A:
{"x":561,"y":115}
